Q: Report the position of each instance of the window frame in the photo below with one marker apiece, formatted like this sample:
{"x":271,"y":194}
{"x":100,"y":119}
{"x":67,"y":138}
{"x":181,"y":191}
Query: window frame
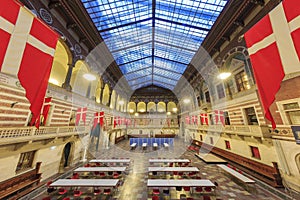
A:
{"x":25,"y":157}
{"x":253,"y":154}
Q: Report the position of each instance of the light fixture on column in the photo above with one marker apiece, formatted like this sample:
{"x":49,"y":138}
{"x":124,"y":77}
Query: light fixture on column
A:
{"x":89,"y":77}
{"x":224,"y":75}
{"x":53,"y":81}
{"x":186,"y":101}
{"x":174,"y":110}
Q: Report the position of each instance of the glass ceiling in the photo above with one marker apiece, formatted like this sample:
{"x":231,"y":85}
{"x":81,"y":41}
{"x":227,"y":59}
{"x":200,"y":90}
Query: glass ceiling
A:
{"x":153,"y":41}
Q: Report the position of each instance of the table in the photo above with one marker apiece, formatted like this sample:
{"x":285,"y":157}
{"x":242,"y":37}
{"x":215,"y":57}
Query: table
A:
{"x":236,"y":174}
{"x":173,"y":169}
{"x":166,"y":145}
{"x":133,"y":145}
{"x":169,"y":160}
{"x":110,"y":161}
{"x":155,"y":145}
{"x":85,"y":183}
{"x":100,"y":169}
{"x":179,"y":182}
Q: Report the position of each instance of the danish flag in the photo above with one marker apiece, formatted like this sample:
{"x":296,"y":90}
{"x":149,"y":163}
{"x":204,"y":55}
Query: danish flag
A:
{"x":194,"y":119}
{"x":26,"y":50}
{"x":219,"y":116}
{"x":44,"y":113}
{"x":204,"y":118}
{"x":81,"y":115}
{"x":98,"y":118}
{"x":187,"y":119}
{"x":274,"y":48}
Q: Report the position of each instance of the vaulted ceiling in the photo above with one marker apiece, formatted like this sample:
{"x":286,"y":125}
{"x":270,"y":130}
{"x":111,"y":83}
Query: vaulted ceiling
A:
{"x":153,"y":41}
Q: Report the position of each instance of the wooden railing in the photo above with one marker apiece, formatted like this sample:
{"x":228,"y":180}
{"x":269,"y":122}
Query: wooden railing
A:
{"x":165,"y":135}
{"x":21,"y":184}
{"x":119,"y":139}
{"x":266,"y":173}
{"x":23,"y":134}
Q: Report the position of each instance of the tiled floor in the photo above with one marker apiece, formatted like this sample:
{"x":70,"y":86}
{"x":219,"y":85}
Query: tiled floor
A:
{"x":135,"y":184}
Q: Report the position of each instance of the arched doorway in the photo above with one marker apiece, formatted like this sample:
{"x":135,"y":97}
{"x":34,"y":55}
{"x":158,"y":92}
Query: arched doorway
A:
{"x":66,"y":157}
{"x":297,"y":159}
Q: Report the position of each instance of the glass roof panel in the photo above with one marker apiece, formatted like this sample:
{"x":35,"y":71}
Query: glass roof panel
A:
{"x":164,"y":80}
{"x":166,"y":73}
{"x":139,"y":73}
{"x":153,"y":48}
{"x":136,"y":66}
{"x":141,"y":80}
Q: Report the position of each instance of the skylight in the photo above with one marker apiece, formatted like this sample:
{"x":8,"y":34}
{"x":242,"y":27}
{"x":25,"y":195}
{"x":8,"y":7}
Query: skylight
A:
{"x":153,"y":41}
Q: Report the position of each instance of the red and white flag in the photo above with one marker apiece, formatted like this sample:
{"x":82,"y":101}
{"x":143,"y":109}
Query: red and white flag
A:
{"x":187,"y":119}
{"x":26,"y":50}
{"x":274,"y":48}
{"x":115,"y":122}
{"x":194,"y":119}
{"x":80,"y":115}
{"x":98,"y":118}
{"x":204,"y":118}
{"x":219,"y":116}
{"x":44,"y":113}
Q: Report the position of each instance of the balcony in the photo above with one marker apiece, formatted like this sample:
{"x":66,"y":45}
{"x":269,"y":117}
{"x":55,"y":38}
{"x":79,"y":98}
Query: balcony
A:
{"x":283,"y":132}
{"x":239,"y":130}
{"x":29,"y":134}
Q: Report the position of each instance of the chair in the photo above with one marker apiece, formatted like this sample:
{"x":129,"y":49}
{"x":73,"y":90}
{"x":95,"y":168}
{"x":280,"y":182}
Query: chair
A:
{"x":102,"y":174}
{"x":155,"y":198}
{"x":155,"y":191}
{"x":187,"y":189}
{"x":178,"y":188}
{"x":97,"y":191}
{"x":88,"y":198}
{"x":107,"y":191}
{"x":166,"y":191}
{"x":206,"y":198}
{"x":207,"y":189}
{"x":66,"y":198}
{"x":182,"y":197}
{"x":116,"y":175}
{"x":62,"y":191}
{"x":198,"y":189}
{"x":49,"y":183}
{"x":110,"y":173}
{"x":46,"y":198}
{"x":77,"y":193}
{"x":190,"y":198}
{"x":50,"y":190}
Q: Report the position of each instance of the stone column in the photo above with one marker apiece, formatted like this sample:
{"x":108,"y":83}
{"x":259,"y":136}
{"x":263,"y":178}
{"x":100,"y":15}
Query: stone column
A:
{"x":66,"y":85}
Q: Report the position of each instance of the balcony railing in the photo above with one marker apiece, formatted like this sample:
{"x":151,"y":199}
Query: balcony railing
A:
{"x":24,"y":134}
{"x":283,"y":131}
{"x":242,"y":130}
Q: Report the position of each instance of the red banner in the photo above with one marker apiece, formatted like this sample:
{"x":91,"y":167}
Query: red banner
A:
{"x":26,"y":50}
{"x":274,"y":47}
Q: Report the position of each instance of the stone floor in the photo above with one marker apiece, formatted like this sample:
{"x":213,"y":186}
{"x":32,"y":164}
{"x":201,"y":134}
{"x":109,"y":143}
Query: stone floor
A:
{"x":135,"y":182}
